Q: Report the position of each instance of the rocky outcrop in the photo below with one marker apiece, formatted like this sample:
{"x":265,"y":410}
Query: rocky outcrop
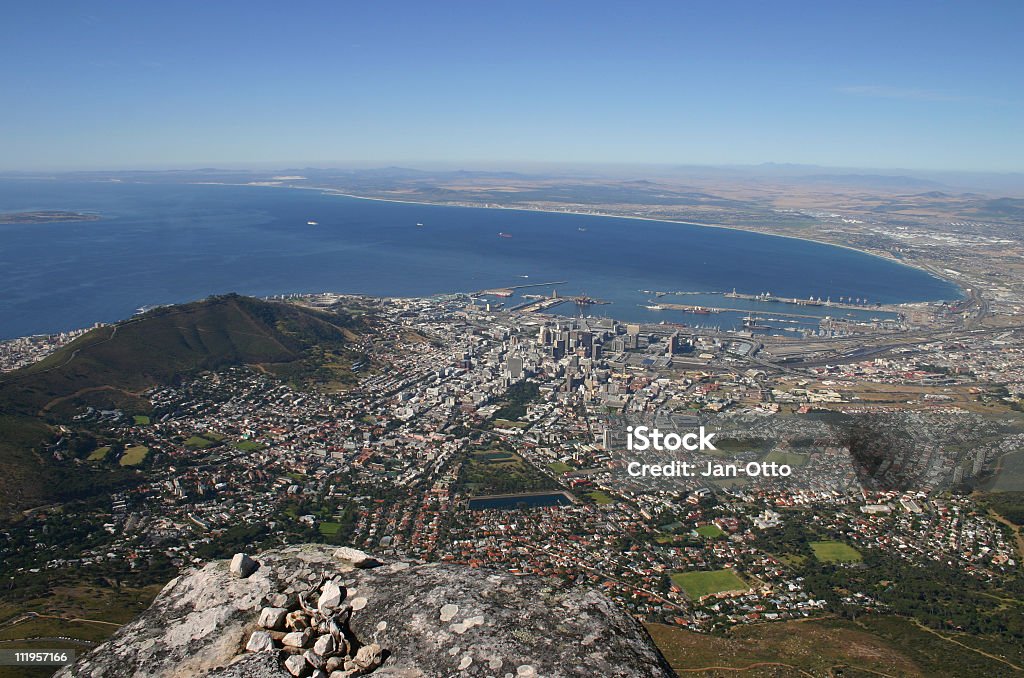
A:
{"x":306,"y":611}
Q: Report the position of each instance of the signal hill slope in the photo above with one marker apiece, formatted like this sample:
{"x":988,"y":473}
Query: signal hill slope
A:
{"x":110,"y":366}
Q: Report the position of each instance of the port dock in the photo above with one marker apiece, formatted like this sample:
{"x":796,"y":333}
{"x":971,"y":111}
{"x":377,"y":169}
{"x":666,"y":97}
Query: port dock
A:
{"x":817,"y":303}
{"x":723,"y":309}
{"x":511,"y":289}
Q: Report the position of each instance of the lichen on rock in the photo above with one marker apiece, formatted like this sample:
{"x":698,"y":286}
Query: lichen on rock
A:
{"x":412,"y":621}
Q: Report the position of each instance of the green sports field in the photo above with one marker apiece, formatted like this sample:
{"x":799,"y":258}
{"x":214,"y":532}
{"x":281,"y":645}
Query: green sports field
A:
{"x":705,"y":582}
{"x":329,"y":529}
{"x":710,"y":531}
{"x":835,"y":552}
{"x":99,"y":454}
{"x":789,"y":458}
{"x":134,"y":455}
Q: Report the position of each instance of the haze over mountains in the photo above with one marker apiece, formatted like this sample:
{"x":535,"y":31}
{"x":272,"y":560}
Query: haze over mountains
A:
{"x":995,"y":183}
{"x":718,"y":193}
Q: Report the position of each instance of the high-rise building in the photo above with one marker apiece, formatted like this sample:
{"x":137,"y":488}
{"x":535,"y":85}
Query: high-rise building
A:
{"x":979,"y":462}
{"x":515,"y":368}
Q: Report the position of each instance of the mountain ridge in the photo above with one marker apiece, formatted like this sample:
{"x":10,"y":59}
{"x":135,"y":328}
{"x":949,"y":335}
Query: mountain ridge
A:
{"x":111,"y":366}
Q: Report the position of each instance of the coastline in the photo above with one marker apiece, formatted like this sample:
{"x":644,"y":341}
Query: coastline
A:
{"x":339,"y":192}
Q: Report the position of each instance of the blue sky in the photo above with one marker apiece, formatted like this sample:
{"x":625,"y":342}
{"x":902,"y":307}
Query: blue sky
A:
{"x":920,"y":85}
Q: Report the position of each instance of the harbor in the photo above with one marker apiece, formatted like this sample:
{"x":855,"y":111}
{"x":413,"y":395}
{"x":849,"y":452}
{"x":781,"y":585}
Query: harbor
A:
{"x":763,"y":313}
{"x":511,"y":289}
{"x":703,"y":310}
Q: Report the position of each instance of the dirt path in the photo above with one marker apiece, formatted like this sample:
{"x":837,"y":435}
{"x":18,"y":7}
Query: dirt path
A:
{"x":80,"y":619}
{"x":755,"y":665}
{"x":82,"y":391}
{"x":967,"y":647}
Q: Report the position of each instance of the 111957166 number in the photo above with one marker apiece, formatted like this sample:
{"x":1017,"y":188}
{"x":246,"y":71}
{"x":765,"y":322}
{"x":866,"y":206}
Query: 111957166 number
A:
{"x":36,"y":657}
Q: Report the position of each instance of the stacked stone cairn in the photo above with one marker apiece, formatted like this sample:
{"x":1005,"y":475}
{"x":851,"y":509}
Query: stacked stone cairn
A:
{"x":310,"y":630}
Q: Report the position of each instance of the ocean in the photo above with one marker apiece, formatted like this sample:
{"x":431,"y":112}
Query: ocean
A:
{"x":170,"y":243}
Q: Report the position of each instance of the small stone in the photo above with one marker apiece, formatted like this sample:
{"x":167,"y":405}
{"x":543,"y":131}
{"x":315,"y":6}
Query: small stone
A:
{"x":465,"y":663}
{"x":297,"y":621}
{"x":298,"y":638}
{"x":368,"y":657}
{"x":260,"y":641}
{"x":273,"y":618}
{"x":297,"y":666}
{"x":318,"y":673}
{"x":448,"y":612}
{"x":468,"y":624}
{"x":526,"y":671}
{"x":333,"y":664}
{"x":325,"y":646}
{"x":356,"y":557}
{"x":242,"y":565}
{"x":381,"y":626}
{"x":331,"y":597}
{"x":340,"y":674}
{"x":359,"y":603}
{"x":314,"y":659}
{"x":281,"y":600}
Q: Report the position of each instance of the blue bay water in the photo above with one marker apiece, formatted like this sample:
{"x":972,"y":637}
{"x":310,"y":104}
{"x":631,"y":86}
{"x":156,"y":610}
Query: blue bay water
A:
{"x":164,"y":243}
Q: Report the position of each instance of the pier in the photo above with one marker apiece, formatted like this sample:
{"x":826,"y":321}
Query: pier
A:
{"x":540,"y":304}
{"x":719,"y":309}
{"x":510,"y":289}
{"x":817,"y":303}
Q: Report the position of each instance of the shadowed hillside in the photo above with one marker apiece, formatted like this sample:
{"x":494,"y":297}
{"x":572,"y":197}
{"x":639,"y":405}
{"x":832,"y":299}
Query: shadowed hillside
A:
{"x":111,"y":366}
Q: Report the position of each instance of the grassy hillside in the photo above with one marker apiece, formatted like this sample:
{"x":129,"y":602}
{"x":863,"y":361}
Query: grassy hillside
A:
{"x":167,"y":343}
{"x":23,"y":471}
{"x":872,"y":646}
{"x":110,"y":366}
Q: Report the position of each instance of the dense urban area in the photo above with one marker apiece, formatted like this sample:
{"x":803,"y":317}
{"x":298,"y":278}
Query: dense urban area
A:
{"x":462,"y":432}
{"x":865,"y":474}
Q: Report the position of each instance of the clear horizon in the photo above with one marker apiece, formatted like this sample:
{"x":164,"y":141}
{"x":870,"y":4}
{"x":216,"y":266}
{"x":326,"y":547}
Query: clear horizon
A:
{"x":119,"y":86}
{"x":499,"y":166}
